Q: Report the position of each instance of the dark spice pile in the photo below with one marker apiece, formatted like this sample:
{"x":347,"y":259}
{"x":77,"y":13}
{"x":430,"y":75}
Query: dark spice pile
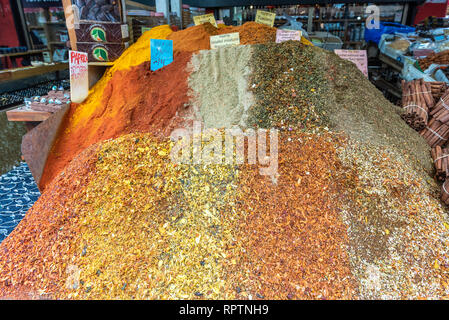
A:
{"x":288,"y":84}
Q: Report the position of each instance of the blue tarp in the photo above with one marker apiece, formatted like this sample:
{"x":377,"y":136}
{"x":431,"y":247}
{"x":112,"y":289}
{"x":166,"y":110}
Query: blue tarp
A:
{"x":18,"y":192}
{"x":374,"y":35}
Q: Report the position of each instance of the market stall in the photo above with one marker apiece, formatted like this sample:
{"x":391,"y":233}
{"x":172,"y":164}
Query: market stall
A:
{"x":234,"y":151}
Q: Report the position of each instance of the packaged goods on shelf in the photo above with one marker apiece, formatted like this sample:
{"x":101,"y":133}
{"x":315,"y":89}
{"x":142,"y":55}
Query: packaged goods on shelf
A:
{"x":98,"y":11}
{"x":102,"y":52}
{"x":102,"y":32}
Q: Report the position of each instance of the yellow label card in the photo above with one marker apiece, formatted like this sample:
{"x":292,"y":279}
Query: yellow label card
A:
{"x":265,"y":17}
{"x":225,"y":40}
{"x":205,"y":18}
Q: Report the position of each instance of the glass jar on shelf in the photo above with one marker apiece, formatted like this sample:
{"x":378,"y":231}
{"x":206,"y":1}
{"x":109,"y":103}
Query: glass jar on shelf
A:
{"x":57,"y":14}
{"x":41,"y":19}
{"x":30,"y":16}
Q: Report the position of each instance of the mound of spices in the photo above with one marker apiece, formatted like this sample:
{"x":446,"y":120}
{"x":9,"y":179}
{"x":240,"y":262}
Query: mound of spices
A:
{"x":79,"y":114}
{"x":194,"y":38}
{"x":290,"y":240}
{"x":168,"y":241}
{"x":133,"y":100}
{"x":288,"y":85}
{"x":34,"y":257}
{"x":252,"y":33}
{"x":351,"y":215}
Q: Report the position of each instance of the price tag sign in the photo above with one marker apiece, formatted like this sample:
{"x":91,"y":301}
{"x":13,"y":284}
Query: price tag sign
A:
{"x":205,"y":18}
{"x":265,"y":17}
{"x":358,"y":57}
{"x":225,"y":40}
{"x":285,"y":35}
{"x":161,"y":53}
{"x":79,"y":79}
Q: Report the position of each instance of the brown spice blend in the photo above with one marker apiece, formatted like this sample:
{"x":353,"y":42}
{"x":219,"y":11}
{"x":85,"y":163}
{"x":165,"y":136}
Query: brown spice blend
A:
{"x":252,"y":33}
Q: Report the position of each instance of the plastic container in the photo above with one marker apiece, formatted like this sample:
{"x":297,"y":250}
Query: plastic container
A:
{"x":325,"y":40}
{"x":409,"y":73}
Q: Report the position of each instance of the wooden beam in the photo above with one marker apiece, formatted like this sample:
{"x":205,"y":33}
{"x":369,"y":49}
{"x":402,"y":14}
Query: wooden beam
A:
{"x":138,"y":5}
{"x":405,"y":14}
{"x":391,"y":62}
{"x":19,"y":114}
{"x":26,"y":72}
{"x":70,"y":22}
{"x":310,"y":19}
{"x":37,"y":143}
{"x":21,"y":54}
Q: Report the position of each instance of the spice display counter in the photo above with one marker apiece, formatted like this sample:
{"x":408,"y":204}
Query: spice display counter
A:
{"x":30,"y":117}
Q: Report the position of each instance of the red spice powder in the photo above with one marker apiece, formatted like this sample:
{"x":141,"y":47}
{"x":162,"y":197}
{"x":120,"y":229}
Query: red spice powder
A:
{"x":198,"y":38}
{"x":134,"y":100}
{"x":293,"y":238}
{"x":194,"y":38}
{"x":33,"y":257}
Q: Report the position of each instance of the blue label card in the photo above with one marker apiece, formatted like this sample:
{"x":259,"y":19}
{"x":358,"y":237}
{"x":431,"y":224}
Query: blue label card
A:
{"x":161,"y":53}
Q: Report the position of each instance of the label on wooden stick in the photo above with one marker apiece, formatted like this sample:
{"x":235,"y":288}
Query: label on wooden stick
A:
{"x":79,"y":79}
{"x":358,"y":57}
{"x":285,"y":35}
{"x":265,"y":17}
{"x":225,"y":40}
{"x":161,"y":53}
{"x":205,"y":18}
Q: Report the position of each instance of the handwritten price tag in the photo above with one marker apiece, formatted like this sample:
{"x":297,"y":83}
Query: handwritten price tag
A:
{"x":265,"y":17}
{"x":161,"y":53}
{"x":205,"y":18}
{"x":285,"y":35}
{"x":225,"y":40}
{"x":79,"y":79}
{"x":358,"y":57}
